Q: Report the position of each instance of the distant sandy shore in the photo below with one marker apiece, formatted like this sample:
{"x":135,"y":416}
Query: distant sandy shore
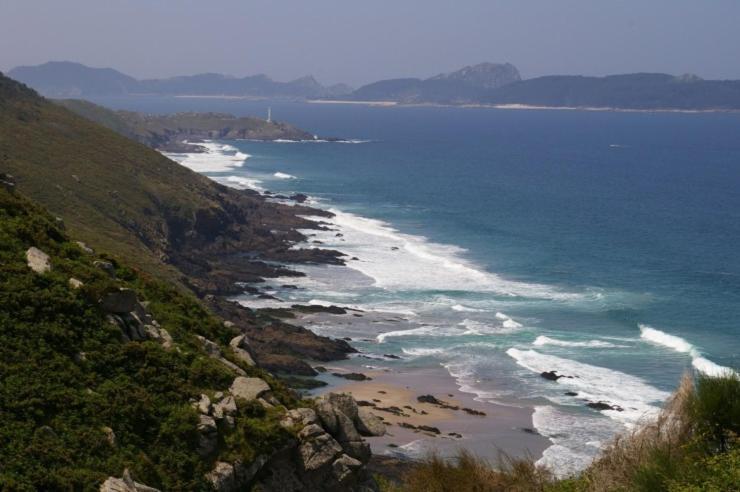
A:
{"x":521,"y":107}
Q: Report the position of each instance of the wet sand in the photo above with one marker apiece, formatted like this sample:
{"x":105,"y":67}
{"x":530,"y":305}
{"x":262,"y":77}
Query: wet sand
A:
{"x":501,"y":429}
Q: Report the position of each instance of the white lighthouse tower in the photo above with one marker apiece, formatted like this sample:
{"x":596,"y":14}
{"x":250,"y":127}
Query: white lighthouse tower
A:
{"x":269,"y":114}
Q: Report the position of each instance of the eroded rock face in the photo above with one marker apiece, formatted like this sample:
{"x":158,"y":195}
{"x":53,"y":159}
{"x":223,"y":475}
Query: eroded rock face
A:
{"x":248,"y":388}
{"x":37,"y":260}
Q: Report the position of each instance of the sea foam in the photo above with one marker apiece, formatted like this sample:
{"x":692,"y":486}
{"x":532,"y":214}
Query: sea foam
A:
{"x":217,"y":157}
{"x":700,"y":363}
{"x":636,"y":398}
{"x":399,"y":261}
{"x":545,"y":340}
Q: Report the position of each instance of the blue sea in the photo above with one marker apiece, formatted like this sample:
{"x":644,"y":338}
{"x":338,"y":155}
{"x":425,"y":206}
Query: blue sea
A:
{"x":500,"y":244}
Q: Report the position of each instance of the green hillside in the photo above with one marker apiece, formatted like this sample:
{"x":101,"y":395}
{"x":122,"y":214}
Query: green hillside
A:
{"x":130,"y":200}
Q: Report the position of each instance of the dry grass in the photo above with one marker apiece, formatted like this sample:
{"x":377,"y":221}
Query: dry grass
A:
{"x":692,"y":445}
{"x":647,"y":453}
{"x":469,"y":473}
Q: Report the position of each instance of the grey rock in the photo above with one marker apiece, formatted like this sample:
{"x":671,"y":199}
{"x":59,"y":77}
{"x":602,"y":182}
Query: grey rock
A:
{"x":203,"y":405}
{"x":37,"y":260}
{"x":223,"y":477}
{"x":125,"y":484}
{"x":110,"y":436}
{"x":75,"y":284}
{"x":208,"y":435}
{"x":248,"y":388}
{"x":242,"y":350}
{"x":368,"y":423}
{"x":232,"y":366}
{"x":210,"y":347}
{"x":344,"y":467}
{"x":120,"y":302}
{"x":326,"y":413}
{"x":318,"y":451}
{"x":299,"y":417}
{"x":160,"y":335}
{"x":84,"y":247}
{"x":225,"y":407}
{"x":106,"y":266}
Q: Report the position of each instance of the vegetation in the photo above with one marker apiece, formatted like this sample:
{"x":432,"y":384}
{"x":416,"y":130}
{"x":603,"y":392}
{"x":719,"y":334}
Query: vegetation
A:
{"x":168,"y":131}
{"x":68,"y":377}
{"x":694,"y":445}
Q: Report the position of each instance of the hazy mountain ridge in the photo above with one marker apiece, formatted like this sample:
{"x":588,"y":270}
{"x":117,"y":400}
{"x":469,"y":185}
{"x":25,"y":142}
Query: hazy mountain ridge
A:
{"x":70,"y":79}
{"x":484,"y":83}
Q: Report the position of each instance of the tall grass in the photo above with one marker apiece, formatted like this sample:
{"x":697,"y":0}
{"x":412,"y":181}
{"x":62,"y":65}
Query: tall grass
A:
{"x":693,"y":444}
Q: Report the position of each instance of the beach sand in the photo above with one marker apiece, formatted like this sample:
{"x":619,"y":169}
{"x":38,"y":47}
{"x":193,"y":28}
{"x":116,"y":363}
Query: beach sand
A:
{"x":502,"y":428}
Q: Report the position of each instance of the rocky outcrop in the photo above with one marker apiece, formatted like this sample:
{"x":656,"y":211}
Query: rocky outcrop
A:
{"x":241,"y":348}
{"x":125,"y":484}
{"x":214,"y":351}
{"x":249,"y":389}
{"x":37,"y":260}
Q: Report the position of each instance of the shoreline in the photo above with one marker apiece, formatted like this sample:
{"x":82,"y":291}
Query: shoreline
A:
{"x":415,"y":428}
{"x":514,"y":106}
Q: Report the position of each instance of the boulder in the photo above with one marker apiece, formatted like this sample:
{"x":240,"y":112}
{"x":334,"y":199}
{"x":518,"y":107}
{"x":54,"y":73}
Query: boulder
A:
{"x":223,"y":477}
{"x":210,"y":347}
{"x":37,"y":260}
{"x":119,"y":302}
{"x":208,"y":435}
{"x":75,"y":284}
{"x":344,"y":467}
{"x":344,"y":403}
{"x":326,"y":413}
{"x":160,"y":335}
{"x":318,"y":451}
{"x":84,"y":247}
{"x":368,"y":423}
{"x":224,"y":408}
{"x":125,"y":484}
{"x":106,"y":266}
{"x":299,"y":417}
{"x":203,"y":405}
{"x":248,"y":388}
{"x":242,"y":351}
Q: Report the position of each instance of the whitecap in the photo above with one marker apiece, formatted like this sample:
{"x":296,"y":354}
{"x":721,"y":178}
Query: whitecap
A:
{"x":678,"y":344}
{"x":280,"y":175}
{"x":398,"y":261}
{"x":637,"y":399}
{"x":422,"y":352}
{"x":216,"y":157}
{"x":545,"y":340}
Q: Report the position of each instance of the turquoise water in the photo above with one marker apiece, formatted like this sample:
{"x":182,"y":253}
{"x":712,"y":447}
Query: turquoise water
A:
{"x":601,"y":245}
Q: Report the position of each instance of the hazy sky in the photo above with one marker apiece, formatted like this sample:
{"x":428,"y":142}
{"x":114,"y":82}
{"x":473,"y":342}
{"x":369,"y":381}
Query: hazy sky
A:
{"x":360,"y":41}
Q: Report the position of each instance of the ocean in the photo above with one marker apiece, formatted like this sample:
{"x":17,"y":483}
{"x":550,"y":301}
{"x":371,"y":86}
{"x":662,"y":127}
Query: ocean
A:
{"x":500,"y":244}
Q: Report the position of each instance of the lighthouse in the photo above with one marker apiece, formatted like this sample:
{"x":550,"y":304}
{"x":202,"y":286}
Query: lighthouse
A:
{"x":269,"y":114}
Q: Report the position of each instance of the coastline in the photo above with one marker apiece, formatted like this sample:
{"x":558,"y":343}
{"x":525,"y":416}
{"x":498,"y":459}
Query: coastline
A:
{"x":444,"y":428}
{"x":529,"y":107}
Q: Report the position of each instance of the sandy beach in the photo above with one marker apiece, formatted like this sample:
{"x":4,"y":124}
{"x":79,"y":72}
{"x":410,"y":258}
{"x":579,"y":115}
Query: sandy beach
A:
{"x":454,"y":422}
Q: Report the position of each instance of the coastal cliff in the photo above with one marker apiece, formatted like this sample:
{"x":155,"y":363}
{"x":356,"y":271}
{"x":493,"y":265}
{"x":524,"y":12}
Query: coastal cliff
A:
{"x":124,"y":364}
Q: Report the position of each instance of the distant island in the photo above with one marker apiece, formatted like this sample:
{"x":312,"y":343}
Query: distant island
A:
{"x":485,"y":84}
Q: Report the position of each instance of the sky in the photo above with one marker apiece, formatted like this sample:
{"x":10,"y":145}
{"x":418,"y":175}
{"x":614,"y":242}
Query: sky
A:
{"x":358,"y":42}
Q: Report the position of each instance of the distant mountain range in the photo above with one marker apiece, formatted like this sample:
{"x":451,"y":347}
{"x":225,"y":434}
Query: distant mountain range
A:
{"x":69,"y":79}
{"x":483,"y":84}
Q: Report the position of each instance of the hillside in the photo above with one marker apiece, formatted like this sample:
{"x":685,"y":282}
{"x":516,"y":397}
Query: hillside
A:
{"x":629,"y":91}
{"x":124,"y":198}
{"x":111,"y":373}
{"x":466,"y":85}
{"x":168,"y":132}
{"x":69,"y":79}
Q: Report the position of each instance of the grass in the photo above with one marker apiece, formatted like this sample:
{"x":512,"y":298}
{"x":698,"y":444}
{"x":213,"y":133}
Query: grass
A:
{"x":67,"y":374}
{"x":693,"y":445}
